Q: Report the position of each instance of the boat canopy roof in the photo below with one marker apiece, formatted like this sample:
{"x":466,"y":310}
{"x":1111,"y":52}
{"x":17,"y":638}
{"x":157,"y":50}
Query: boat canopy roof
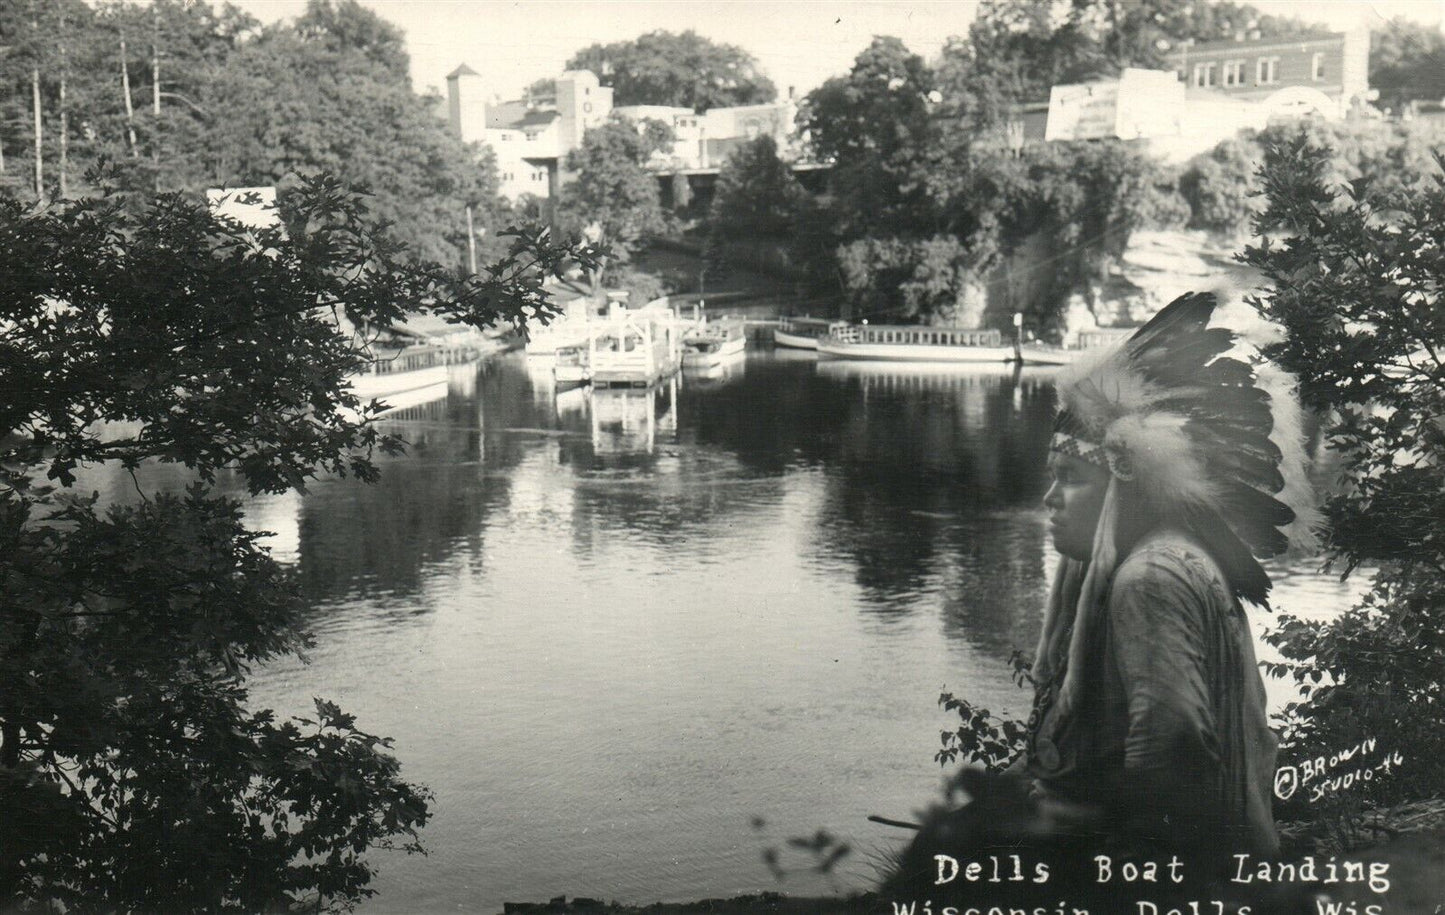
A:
{"x":924,"y":328}
{"x":808,"y":319}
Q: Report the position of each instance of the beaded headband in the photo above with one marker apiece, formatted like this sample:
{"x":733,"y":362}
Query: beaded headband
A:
{"x":1073,"y":446}
{"x":1071,"y":438}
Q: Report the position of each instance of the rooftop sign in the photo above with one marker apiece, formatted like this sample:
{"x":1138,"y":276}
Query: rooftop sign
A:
{"x":1139,"y":104}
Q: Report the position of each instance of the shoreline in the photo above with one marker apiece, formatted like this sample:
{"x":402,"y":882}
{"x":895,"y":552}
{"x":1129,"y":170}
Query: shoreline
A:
{"x":771,"y":902}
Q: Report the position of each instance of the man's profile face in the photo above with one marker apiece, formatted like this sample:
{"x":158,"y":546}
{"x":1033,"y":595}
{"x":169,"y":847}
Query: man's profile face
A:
{"x":1074,"y":502}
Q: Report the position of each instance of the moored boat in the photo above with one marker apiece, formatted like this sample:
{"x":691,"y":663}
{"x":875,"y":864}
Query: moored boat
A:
{"x":574,"y":327}
{"x":801,"y":333}
{"x":909,"y":343}
{"x":571,"y":367}
{"x":713,"y":343}
{"x":633,"y":348}
{"x":406,"y":377}
{"x":729,"y":370}
{"x":1040,"y":354}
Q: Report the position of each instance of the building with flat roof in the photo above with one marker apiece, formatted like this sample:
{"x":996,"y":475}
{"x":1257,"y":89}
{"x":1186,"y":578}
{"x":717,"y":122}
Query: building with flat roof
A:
{"x":1327,"y":74}
{"x":1215,"y":90}
{"x":531,"y":137}
{"x":704,"y":141}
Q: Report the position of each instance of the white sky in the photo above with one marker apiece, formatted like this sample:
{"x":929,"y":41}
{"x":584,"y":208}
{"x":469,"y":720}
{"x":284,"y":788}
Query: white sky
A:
{"x":797,"y":42}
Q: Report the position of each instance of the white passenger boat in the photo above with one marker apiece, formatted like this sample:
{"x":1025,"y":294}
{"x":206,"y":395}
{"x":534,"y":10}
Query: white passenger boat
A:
{"x":729,"y":370}
{"x":406,"y":377}
{"x":543,"y":343}
{"x":574,"y":327}
{"x":801,"y":333}
{"x":571,"y":367}
{"x":1040,"y":354}
{"x":905,"y":343}
{"x":713,"y":343}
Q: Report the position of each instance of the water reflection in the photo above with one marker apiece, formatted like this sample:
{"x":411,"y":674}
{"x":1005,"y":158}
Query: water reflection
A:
{"x":379,"y":539}
{"x":926,"y":462}
{"x":994,"y":586}
{"x":729,"y":369}
{"x":630,"y":420}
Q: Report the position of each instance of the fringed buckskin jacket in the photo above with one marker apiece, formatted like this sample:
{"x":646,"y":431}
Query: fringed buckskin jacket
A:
{"x":1171,"y":734}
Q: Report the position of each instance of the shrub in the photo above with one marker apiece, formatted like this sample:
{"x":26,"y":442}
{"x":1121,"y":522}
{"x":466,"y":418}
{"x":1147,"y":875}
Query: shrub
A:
{"x":1355,"y":282}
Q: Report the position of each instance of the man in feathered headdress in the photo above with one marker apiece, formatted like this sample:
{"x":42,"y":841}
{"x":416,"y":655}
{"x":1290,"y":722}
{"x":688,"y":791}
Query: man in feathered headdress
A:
{"x":1175,"y":469}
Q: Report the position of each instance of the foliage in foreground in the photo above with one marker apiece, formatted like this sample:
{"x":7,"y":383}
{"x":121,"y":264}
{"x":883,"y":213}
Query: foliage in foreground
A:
{"x":1355,"y":282}
{"x":133,"y":774}
{"x":982,"y":738}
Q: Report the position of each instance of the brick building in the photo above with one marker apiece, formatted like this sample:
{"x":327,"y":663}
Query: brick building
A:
{"x":1329,"y":74}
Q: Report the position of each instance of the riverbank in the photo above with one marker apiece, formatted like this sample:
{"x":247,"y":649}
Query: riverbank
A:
{"x":1409,"y":840}
{"x":774,"y":903}
{"x":732,"y":288}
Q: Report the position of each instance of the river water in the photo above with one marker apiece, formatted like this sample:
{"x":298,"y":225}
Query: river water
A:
{"x":633,"y":639}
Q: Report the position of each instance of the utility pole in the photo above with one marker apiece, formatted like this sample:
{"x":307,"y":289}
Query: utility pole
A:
{"x":3,"y":50}
{"x":155,"y":60}
{"x":471,"y":245}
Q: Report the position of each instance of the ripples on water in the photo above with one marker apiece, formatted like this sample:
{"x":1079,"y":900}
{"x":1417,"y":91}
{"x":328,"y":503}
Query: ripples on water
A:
{"x":608,"y":629}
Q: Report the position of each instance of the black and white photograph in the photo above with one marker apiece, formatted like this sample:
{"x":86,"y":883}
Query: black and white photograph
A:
{"x":605,"y":457}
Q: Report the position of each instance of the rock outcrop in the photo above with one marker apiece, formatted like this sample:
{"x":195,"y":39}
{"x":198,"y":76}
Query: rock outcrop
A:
{"x":1161,"y":265}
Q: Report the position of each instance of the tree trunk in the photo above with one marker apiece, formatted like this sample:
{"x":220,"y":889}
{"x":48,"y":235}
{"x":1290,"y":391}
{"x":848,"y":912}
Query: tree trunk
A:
{"x":64,"y":141}
{"x":39,"y":133}
{"x":155,"y":60}
{"x":129,"y":108}
{"x":64,"y":115}
{"x":156,"y":94}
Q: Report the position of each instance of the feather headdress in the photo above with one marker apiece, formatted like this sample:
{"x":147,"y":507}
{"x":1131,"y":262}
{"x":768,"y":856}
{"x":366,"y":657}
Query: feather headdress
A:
{"x":1205,"y":437}
{"x":1202,"y":438}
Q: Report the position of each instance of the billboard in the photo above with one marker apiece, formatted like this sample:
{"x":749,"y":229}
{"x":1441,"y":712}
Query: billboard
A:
{"x":1138,"y":104}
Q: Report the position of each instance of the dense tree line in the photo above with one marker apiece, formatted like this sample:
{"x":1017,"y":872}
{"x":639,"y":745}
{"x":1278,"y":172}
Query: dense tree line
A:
{"x":1222,"y":186}
{"x":924,"y":200}
{"x":1407,"y":62}
{"x":186,"y":95}
{"x":1016,"y":50}
{"x":613,"y":199}
{"x":930,"y":188}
